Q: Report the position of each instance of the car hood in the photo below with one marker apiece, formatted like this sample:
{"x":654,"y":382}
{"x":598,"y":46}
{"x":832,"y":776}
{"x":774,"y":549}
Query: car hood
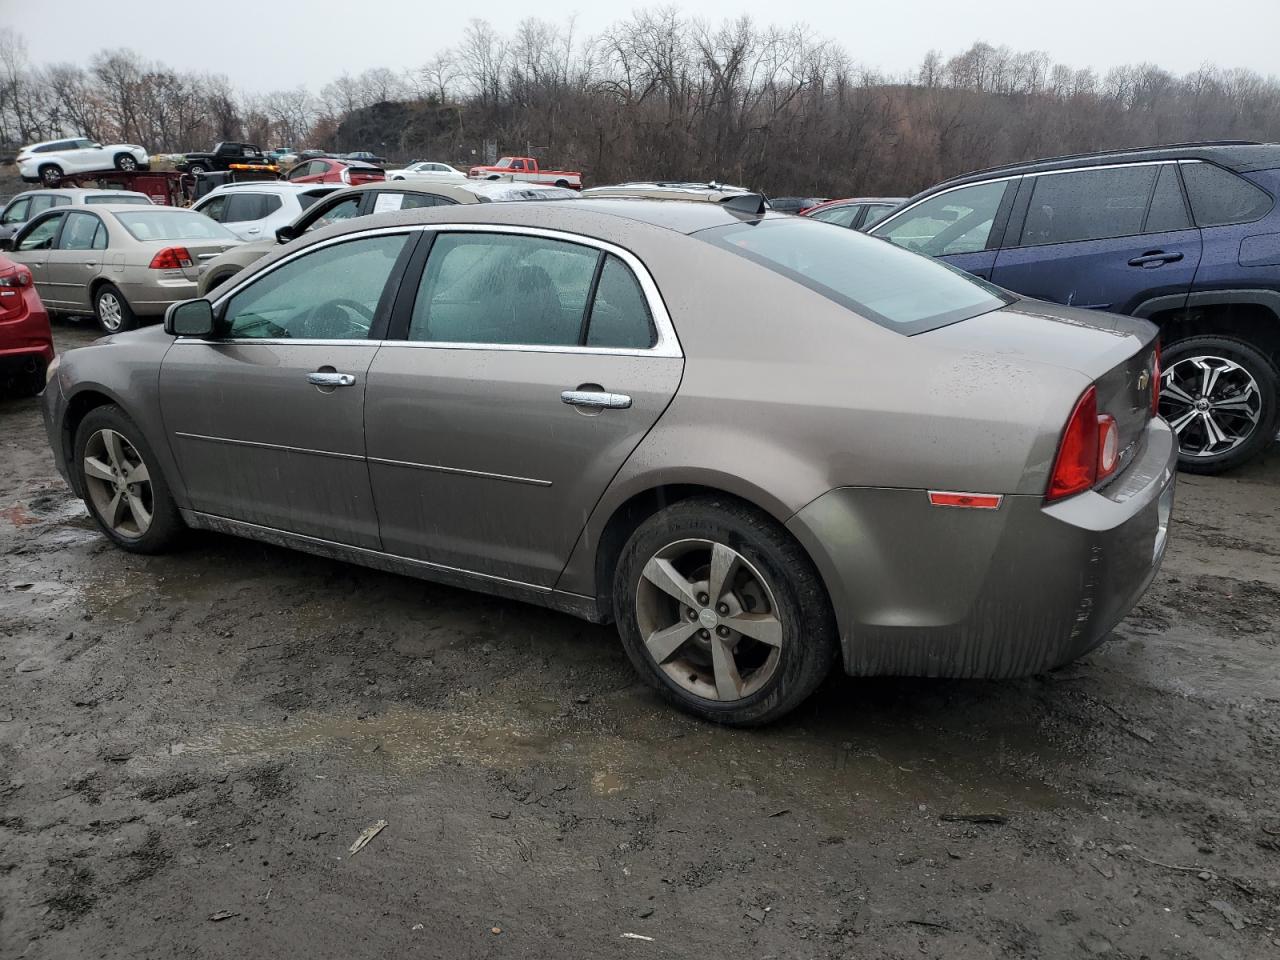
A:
{"x":1087,"y":341}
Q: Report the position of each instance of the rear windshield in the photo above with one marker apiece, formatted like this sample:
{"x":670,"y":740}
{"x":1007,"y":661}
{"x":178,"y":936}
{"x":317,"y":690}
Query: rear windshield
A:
{"x":173,"y":225}
{"x":119,"y":198}
{"x":904,"y":291}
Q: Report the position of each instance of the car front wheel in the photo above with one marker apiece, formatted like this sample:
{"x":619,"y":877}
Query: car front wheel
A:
{"x":723,"y":612}
{"x":1220,"y":396}
{"x":121,"y":482}
{"x":126,"y":162}
{"x":112,"y":310}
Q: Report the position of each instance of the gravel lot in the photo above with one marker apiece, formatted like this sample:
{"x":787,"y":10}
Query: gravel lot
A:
{"x":190,"y":744}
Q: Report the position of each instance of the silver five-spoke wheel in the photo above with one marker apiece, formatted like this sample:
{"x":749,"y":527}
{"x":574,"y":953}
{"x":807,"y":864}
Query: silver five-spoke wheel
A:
{"x":118,"y":483}
{"x":1212,"y":403}
{"x":709,"y":620}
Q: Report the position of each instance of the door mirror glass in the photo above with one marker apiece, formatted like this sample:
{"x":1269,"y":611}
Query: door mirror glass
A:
{"x":190,"y":318}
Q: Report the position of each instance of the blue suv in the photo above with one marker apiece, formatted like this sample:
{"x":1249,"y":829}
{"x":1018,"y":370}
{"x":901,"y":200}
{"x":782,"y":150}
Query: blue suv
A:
{"x":1186,"y":235}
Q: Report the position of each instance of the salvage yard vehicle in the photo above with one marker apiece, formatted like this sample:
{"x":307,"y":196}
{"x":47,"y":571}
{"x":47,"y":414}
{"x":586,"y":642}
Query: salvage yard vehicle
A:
{"x":593,"y":406}
{"x":364,"y":201}
{"x":428,"y":169}
{"x":856,"y":213}
{"x":255,"y":210}
{"x":26,"y":205}
{"x":222,"y":156}
{"x":1187,"y":236}
{"x":162,"y":187}
{"x":50,"y":161}
{"x":526,"y":169}
{"x":332,"y":170}
{"x":121,"y":262}
{"x":26,"y":342}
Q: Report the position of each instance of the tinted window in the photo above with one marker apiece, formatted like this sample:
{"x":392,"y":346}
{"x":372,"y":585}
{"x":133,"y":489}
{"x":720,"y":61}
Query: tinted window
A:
{"x":619,"y":313}
{"x":17,"y":211}
{"x":1168,"y":209}
{"x":81,"y":233}
{"x":500,"y":288}
{"x":892,"y":287}
{"x":413,"y":200}
{"x":328,"y":294}
{"x":40,"y":236}
{"x":840,"y":216}
{"x":249,"y":206}
{"x":958,"y":221}
{"x":169,"y":224}
{"x":875,"y":213}
{"x":1088,"y":205}
{"x":1219,"y":197}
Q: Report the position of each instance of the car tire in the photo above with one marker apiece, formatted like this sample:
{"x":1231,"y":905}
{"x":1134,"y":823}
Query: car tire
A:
{"x":1240,"y":374}
{"x":197,"y":168}
{"x":716,"y":672}
{"x":112,"y":310}
{"x":126,"y":162}
{"x":146,"y":518}
{"x":51,"y":174}
{"x":562,"y":183}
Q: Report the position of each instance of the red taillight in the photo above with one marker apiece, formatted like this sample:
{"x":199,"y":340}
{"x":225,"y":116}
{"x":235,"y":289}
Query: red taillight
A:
{"x":21,"y":277}
{"x":1076,"y":467}
{"x":171,"y":258}
{"x":1155,"y":381}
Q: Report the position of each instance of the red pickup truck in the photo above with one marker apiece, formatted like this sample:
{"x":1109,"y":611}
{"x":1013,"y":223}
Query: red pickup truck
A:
{"x":526,"y":168}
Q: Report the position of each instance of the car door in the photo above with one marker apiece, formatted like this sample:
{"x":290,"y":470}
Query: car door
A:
{"x":32,"y":245}
{"x":962,"y":226}
{"x":266,"y":421}
{"x":76,"y":259}
{"x":531,"y":366}
{"x":1105,"y":239}
{"x":245,"y":212}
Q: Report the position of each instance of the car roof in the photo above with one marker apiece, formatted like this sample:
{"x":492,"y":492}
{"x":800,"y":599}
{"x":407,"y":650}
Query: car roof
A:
{"x":80,"y":192}
{"x":134,"y":208}
{"x":282,"y":186}
{"x":1241,"y":156}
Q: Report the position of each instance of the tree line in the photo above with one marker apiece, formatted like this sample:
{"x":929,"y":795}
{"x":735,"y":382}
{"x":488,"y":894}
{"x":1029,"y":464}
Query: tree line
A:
{"x":660,"y":94}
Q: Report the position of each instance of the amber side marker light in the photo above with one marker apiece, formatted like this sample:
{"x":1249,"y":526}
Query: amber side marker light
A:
{"x":974,"y":501}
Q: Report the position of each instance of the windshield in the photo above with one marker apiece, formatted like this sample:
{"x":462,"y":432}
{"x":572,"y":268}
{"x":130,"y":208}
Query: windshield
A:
{"x":173,"y":225}
{"x":504,"y":162}
{"x":895,"y":288}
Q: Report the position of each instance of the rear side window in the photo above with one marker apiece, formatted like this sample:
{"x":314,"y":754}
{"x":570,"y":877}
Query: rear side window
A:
{"x":1088,"y":205}
{"x":889,"y":286}
{"x":1219,"y":197}
{"x":619,"y":313}
{"x":957,"y":221}
{"x":1168,"y":209}
{"x":307,"y":199}
{"x":501,"y":288}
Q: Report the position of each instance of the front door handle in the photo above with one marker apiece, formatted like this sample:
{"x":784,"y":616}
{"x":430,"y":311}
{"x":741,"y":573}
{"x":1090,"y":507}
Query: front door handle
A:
{"x":596,"y":399}
{"x":1155,"y":258}
{"x":328,"y":379}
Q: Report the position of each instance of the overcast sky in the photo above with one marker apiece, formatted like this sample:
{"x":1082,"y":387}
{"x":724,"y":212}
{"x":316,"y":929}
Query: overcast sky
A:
{"x":270,"y":45}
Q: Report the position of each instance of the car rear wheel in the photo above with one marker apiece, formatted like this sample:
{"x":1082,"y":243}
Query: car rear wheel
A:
{"x":51,"y":174}
{"x":723,"y":612}
{"x":112,"y":310}
{"x":126,"y":162}
{"x":1220,"y":396}
{"x":195,"y":168}
{"x":122,"y":485}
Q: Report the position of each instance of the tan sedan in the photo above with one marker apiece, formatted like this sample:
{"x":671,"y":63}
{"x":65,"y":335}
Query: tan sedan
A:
{"x":123,"y":263}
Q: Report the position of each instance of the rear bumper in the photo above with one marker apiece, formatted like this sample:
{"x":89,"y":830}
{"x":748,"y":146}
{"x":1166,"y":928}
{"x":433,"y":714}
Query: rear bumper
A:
{"x":153,"y":297}
{"x":932,"y":591}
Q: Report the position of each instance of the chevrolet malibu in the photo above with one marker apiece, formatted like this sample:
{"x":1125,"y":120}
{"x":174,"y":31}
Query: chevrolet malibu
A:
{"x":758,"y":445}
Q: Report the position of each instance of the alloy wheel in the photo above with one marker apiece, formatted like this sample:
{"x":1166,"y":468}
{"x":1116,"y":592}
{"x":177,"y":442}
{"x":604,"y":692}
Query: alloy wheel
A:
{"x":110,"y":311}
{"x":709,"y":620}
{"x":128,"y":163}
{"x":118,"y":483}
{"x":1213,"y":404}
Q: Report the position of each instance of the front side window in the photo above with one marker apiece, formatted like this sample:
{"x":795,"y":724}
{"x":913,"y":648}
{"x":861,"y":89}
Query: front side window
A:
{"x":1219,"y":197}
{"x":885,"y":284}
{"x":503,"y":288}
{"x":40,"y":235}
{"x":343,"y":209}
{"x":166,"y":223}
{"x":875,"y":213}
{"x":957,"y":221}
{"x":840,"y":216}
{"x":328,"y":294}
{"x":1088,"y":205}
{"x":83,"y":231}
{"x":215,"y":208}
{"x":42,"y":202}
{"x":17,"y":211}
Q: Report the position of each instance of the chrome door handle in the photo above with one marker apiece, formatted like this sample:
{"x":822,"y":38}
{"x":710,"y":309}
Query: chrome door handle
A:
{"x":331,"y":379}
{"x":596,"y":399}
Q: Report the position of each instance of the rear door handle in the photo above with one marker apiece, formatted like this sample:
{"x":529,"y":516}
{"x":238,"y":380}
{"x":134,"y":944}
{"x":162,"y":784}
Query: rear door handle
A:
{"x":596,"y":399}
{"x":1155,"y":258}
{"x":323,"y":379}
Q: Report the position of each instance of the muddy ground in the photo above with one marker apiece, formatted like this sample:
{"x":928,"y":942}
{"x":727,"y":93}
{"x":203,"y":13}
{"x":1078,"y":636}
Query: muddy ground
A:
{"x":205,"y":734}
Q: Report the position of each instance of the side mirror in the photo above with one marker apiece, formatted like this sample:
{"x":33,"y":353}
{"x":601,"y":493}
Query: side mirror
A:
{"x":190,"y":318}
{"x":6,"y":243}
{"x":286,"y":233}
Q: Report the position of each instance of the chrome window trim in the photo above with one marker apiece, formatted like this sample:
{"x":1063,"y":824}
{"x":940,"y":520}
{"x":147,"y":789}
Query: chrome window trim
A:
{"x":667,"y":345}
{"x":1103,"y":166}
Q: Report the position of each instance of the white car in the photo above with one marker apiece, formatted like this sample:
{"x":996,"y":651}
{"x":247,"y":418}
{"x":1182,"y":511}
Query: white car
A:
{"x":426,"y":170}
{"x":26,"y":205}
{"x":50,"y":161}
{"x":253,"y":210}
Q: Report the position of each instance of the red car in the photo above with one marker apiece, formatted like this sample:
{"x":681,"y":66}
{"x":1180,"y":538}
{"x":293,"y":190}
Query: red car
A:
{"x":26,"y":342}
{"x":327,"y":170}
